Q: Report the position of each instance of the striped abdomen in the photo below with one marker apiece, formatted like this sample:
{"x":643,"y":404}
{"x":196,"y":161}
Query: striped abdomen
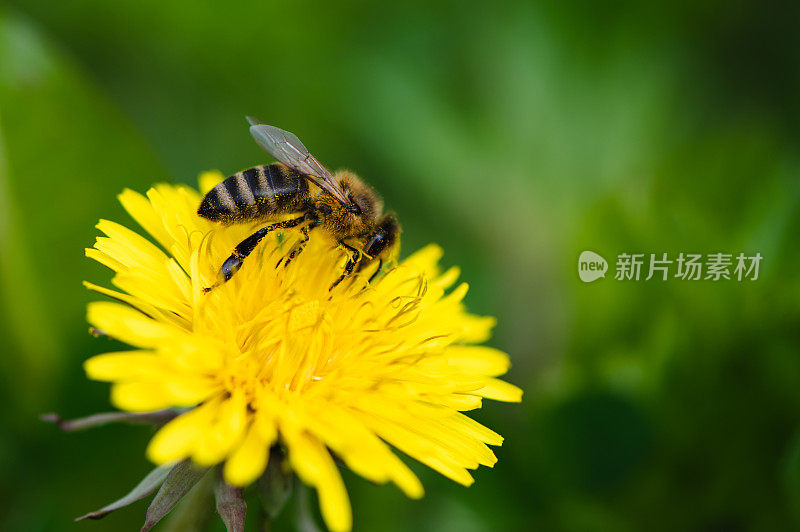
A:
{"x":255,"y":193}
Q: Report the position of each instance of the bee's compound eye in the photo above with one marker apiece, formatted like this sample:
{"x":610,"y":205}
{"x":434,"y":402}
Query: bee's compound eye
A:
{"x":325,"y":209}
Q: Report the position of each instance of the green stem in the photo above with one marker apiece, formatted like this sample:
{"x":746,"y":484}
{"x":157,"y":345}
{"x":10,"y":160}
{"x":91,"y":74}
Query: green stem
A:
{"x":304,"y":514}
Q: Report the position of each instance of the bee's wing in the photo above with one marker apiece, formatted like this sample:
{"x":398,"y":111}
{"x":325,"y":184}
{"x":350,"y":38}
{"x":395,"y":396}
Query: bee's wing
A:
{"x":288,"y":149}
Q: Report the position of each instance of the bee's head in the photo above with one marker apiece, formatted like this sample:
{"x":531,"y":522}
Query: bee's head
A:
{"x":357,"y":216}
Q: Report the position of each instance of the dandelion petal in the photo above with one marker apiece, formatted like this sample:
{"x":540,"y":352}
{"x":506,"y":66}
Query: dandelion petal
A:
{"x":248,"y":461}
{"x":313,"y":463}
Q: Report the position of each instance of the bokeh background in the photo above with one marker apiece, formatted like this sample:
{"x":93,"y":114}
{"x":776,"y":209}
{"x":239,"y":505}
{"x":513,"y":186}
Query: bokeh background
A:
{"x":514,"y":134}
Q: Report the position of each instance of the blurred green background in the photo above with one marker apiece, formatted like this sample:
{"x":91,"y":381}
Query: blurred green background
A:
{"x":516,"y":135}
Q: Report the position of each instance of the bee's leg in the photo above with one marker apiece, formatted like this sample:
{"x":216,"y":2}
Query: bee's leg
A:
{"x":381,"y":242}
{"x":349,"y":266}
{"x":380,"y":265}
{"x":298,"y":248}
{"x":245,"y":247}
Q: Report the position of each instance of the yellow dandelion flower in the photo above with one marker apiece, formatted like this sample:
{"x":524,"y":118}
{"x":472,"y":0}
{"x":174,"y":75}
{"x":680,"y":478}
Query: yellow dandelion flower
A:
{"x":275,"y":355}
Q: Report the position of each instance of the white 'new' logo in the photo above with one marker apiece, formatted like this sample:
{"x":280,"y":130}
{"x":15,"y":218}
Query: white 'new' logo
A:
{"x":591,"y":266}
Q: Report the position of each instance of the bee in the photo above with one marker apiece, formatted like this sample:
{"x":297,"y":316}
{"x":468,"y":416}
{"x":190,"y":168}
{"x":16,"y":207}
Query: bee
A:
{"x":339,"y":204}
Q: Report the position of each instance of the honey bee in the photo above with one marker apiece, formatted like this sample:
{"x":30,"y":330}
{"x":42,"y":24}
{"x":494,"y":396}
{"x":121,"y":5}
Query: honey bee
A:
{"x":339,"y":204}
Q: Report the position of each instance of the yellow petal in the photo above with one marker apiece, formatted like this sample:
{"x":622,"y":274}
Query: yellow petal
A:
{"x":126,"y":324}
{"x":209,"y":180}
{"x":469,"y":426}
{"x":176,"y":439}
{"x":224,"y":433}
{"x":123,"y":365}
{"x":104,"y":259}
{"x":476,"y":329}
{"x":128,"y":247}
{"x":459,"y":401}
{"x":314,"y":465}
{"x":141,"y":210}
{"x":420,"y":445}
{"x":362,"y":450}
{"x":478,"y":360}
{"x":158,"y":287}
{"x":500,"y":391}
{"x":249,"y":460}
{"x":188,"y":390}
{"x":447,"y":279}
{"x":138,"y":303}
{"x":265,"y":421}
{"x":426,"y":260}
{"x":140,"y":396}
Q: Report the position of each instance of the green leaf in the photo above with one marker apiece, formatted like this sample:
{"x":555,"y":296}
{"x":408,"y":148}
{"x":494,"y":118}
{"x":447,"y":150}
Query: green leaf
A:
{"x":276,"y":484}
{"x":231,"y":505}
{"x":196,"y":509}
{"x":148,"y":485}
{"x":180,"y":480}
